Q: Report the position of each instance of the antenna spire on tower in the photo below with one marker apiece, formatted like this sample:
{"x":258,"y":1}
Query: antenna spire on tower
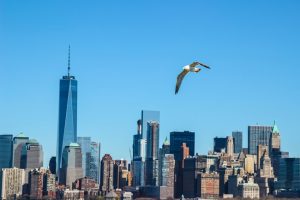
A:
{"x":69,"y":61}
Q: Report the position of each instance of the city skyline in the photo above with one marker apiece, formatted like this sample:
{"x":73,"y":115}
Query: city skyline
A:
{"x":229,"y":98}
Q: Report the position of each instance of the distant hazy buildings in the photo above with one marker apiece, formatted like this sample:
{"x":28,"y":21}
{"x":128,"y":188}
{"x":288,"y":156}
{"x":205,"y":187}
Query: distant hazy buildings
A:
{"x":12,"y":180}
{"x":238,"y":141}
{"x":6,"y":151}
{"x":71,"y":164}
{"x":258,"y":135}
{"x":67,"y":115}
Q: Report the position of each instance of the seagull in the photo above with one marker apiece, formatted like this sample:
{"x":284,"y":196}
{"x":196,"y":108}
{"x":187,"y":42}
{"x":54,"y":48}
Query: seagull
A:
{"x":186,"y":69}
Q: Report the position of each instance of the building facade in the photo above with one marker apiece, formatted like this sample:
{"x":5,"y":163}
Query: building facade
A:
{"x":258,"y":135}
{"x":6,"y":142}
{"x":229,"y":146}
{"x":71,"y":165}
{"x":289,"y":174}
{"x":107,"y":174}
{"x":220,"y":144}
{"x":177,"y":139}
{"x":208,"y":185}
{"x":18,"y":142}
{"x":238,"y":141}
{"x":167,"y":175}
{"x":152,"y":155}
{"x":248,"y":190}
{"x":12,"y":180}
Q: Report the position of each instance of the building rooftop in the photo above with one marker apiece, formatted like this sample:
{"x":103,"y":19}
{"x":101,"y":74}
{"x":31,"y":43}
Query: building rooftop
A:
{"x":275,"y":128}
{"x":72,"y":144}
{"x":21,"y":135}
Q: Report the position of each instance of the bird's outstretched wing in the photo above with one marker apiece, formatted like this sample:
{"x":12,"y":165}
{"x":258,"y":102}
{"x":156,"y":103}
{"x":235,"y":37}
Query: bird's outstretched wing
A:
{"x":204,"y":65}
{"x":179,"y":79}
{"x":194,"y":64}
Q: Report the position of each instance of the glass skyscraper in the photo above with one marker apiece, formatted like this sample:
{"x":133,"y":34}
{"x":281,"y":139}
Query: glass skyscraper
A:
{"x":85,"y":144}
{"x":238,"y":141}
{"x":67,"y":115}
{"x":148,"y":116}
{"x":220,"y":144}
{"x":289,"y":174}
{"x":6,"y":151}
{"x":90,"y":157}
{"x":176,"y":140}
{"x":152,"y":152}
{"x":258,"y":135}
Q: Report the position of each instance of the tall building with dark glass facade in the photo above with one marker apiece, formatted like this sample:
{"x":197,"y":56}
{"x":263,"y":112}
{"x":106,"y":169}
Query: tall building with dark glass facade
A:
{"x":148,"y":116}
{"x":237,"y":141}
{"x":177,"y":139}
{"x":220,"y":144}
{"x":67,"y":115}
{"x":289,"y":174}
{"x":6,"y":151}
{"x":152,"y":165}
{"x":258,"y":135}
{"x":140,"y":146}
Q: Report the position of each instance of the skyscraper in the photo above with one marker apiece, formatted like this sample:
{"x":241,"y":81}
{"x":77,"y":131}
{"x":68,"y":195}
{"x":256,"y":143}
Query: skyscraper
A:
{"x":220,"y":144}
{"x":18,"y":142}
{"x":67,"y":114}
{"x":32,"y":155}
{"x":177,"y":139}
{"x":5,"y":151}
{"x":258,"y":135}
{"x":94,"y":157}
{"x":71,"y":164}
{"x":229,"y":146}
{"x":152,"y":166}
{"x":139,"y":146}
{"x":238,"y":141}
{"x":148,"y":116}
{"x":107,"y":174}
{"x":289,"y":174}
{"x":85,"y":144}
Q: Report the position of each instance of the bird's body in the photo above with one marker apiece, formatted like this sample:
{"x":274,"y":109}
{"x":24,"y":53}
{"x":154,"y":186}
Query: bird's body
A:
{"x":186,"y":69}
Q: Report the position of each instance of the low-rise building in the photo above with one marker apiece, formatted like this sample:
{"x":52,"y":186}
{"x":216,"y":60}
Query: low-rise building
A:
{"x":248,"y":190}
{"x":208,"y":185}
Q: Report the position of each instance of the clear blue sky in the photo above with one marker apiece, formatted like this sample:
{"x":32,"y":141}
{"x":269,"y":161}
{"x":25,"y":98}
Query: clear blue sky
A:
{"x":126,"y":56}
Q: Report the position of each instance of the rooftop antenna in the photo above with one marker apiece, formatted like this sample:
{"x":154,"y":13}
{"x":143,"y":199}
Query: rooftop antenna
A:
{"x":69,"y":62}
